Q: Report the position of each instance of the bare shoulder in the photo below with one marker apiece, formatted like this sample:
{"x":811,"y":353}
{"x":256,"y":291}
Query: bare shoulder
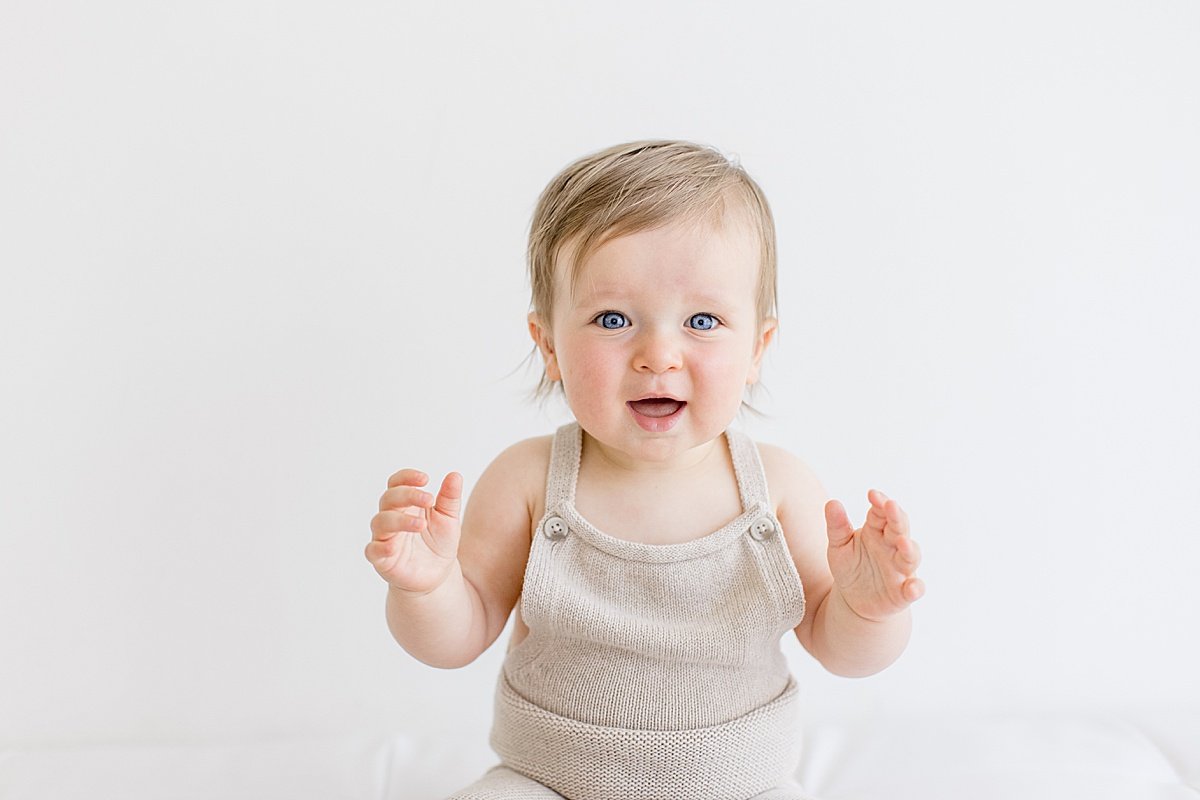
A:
{"x":793,"y":486}
{"x":510,"y":489}
{"x":521,"y":468}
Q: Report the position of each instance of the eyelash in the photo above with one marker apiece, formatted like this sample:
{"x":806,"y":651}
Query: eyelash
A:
{"x":716,"y":320}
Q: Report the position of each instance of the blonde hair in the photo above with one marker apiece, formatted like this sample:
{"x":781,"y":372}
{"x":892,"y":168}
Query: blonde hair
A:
{"x":635,"y":187}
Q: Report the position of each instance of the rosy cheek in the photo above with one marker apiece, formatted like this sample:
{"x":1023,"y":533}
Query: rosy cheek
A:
{"x":588,"y":362}
{"x":717,"y":365}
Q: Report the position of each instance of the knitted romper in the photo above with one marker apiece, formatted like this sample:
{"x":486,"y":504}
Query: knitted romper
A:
{"x":650,"y":672}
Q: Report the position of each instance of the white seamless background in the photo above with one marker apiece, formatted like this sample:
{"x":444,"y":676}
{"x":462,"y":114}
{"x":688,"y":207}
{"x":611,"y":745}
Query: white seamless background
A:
{"x":256,"y":256}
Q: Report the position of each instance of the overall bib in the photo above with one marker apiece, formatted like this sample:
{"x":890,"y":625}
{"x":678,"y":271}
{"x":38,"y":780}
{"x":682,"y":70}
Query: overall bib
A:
{"x":650,"y":672}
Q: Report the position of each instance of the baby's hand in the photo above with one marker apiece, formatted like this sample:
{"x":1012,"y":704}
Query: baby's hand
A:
{"x":414,"y":540}
{"x":873,"y":566}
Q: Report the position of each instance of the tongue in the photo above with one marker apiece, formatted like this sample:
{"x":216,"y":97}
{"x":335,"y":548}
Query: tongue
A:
{"x":656,"y":407}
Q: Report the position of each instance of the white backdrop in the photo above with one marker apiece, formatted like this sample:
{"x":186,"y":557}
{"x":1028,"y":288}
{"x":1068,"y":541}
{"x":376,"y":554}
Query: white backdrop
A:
{"x":259,"y":255}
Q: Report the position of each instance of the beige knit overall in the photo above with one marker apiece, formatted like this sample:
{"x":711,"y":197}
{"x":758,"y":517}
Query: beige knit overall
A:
{"x":650,"y":672}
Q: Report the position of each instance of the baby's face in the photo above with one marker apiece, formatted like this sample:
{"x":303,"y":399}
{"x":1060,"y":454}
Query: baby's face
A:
{"x":667,"y":313}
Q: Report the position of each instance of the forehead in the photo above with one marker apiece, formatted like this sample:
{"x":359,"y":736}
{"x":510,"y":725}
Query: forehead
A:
{"x":703,"y":260}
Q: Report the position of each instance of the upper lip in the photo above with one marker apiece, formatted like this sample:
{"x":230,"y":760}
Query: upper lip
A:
{"x":653,"y":396}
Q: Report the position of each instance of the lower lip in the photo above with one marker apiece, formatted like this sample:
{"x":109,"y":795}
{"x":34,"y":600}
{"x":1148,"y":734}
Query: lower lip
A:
{"x":656,"y":424}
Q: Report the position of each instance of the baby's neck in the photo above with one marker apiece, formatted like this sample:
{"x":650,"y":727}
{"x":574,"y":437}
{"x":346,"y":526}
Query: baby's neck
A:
{"x":619,"y":466}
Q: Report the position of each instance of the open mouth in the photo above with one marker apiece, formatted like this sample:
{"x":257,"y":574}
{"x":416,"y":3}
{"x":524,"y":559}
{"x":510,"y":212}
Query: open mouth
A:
{"x":656,"y":413}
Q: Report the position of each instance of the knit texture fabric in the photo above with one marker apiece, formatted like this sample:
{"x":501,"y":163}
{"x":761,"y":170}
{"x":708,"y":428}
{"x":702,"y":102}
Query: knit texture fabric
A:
{"x":501,"y":783}
{"x":653,"y":671}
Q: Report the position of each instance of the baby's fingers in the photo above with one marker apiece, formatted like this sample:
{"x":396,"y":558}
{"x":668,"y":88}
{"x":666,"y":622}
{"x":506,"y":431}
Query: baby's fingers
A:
{"x":893,"y":517}
{"x":838,"y":527}
{"x":912,"y":589}
{"x":386,"y":524}
{"x":908,"y":555}
{"x":377,"y":551}
{"x":449,"y":497}
{"x":405,"y":497}
{"x":408,"y":477}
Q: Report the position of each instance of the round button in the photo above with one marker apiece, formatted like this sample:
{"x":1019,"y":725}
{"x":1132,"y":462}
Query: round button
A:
{"x":555,"y":528}
{"x":763,"y":528}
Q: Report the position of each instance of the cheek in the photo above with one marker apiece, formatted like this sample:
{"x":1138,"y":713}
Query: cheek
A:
{"x":723,"y":366}
{"x":582,"y":362}
{"x":725,"y":373}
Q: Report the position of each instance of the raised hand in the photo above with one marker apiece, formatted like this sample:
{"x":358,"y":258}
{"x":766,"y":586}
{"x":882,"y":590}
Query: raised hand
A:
{"x":414,"y":537}
{"x":874,"y":566}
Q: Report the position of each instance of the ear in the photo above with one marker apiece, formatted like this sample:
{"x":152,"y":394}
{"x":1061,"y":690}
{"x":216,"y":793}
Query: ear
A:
{"x":767,"y":333}
{"x":545,"y":342}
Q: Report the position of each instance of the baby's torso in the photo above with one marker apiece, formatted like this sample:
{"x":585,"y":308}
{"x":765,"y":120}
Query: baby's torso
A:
{"x":636,"y":603}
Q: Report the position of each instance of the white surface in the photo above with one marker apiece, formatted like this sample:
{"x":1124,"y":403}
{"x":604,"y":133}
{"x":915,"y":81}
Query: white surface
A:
{"x":258,"y":256}
{"x":948,"y":756}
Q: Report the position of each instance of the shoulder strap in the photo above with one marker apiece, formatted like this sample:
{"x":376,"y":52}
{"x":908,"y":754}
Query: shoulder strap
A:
{"x":747,"y":465}
{"x":564,"y":466}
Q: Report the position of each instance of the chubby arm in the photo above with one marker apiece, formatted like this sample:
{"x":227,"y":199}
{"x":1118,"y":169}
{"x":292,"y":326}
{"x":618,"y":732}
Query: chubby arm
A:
{"x":449,"y":621}
{"x":858,"y":584}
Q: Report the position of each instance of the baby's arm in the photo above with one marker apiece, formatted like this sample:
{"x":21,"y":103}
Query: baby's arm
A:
{"x":858,"y":584}
{"x":452,"y":584}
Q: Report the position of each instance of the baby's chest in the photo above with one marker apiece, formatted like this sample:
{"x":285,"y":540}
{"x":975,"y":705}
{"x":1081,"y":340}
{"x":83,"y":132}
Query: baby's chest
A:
{"x":660,"y":520}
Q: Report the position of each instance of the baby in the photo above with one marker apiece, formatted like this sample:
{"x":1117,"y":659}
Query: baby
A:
{"x":658,"y":555}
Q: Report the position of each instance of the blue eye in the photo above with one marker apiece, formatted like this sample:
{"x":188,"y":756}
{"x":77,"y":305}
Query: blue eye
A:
{"x":611,"y":320}
{"x":703,"y":322}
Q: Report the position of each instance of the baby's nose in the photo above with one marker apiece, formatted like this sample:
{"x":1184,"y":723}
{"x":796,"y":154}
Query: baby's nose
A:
{"x":657,"y":351}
